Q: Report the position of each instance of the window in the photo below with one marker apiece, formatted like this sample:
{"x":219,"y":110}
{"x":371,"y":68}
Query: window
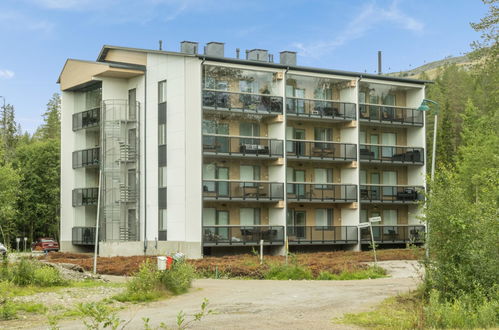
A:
{"x":209,"y":216}
{"x":363,"y":216}
{"x":249,"y":173}
{"x":249,"y":216}
{"x":323,"y":176}
{"x":162,"y":91}
{"x":323,"y":217}
{"x":209,"y":173}
{"x":249,"y":129}
{"x":162,"y":134}
{"x":162,"y":177}
{"x":132,"y":104}
{"x":323,"y":134}
{"x":390,"y":219}
{"x":162,"y":219}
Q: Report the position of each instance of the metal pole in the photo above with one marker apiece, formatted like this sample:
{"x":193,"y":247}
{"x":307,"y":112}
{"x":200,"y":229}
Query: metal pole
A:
{"x":287,"y":250}
{"x":374,"y":245}
{"x":97,"y":223}
{"x":261,"y":251}
{"x":433,"y":158}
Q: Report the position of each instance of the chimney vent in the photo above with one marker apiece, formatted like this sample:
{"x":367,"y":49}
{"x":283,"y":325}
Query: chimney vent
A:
{"x":379,"y":62}
{"x":237,"y":52}
{"x":189,"y":47}
{"x":161,"y":45}
{"x":287,"y":57}
{"x":247,"y":54}
{"x":214,"y":49}
{"x":258,"y":55}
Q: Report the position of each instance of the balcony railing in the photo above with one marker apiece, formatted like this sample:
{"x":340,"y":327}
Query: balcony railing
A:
{"x":242,"y":146}
{"x":85,"y":196}
{"x":242,"y":190}
{"x":317,"y":150}
{"x":162,"y":235}
{"x":319,"y":192}
{"x":376,"y":153}
{"x":242,"y":235}
{"x":86,"y":119}
{"x":322,"y":234}
{"x":391,"y":194}
{"x":128,"y":194}
{"x":394,"y":234}
{"x":390,"y":114}
{"x":242,"y":102}
{"x":320,"y":109}
{"x":83,"y":236}
{"x":86,"y":158}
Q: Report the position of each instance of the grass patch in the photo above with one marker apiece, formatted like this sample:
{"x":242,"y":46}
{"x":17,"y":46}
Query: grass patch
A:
{"x":288,"y":272}
{"x":413,"y":311}
{"x":369,"y":273}
{"x":9,"y":309}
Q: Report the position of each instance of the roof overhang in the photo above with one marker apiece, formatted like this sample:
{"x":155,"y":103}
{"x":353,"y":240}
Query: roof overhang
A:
{"x":78,"y":73}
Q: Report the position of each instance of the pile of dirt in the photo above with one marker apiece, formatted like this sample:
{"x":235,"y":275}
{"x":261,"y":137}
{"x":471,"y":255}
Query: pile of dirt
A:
{"x":73,"y":272}
{"x":241,"y":265}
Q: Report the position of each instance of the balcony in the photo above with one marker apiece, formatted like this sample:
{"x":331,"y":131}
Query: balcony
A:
{"x":321,"y":193}
{"x":320,"y":150}
{"x":320,"y":109}
{"x":128,"y":194}
{"x":86,"y":158}
{"x":85,"y":196}
{"x":394,"y":234}
{"x":239,"y":146}
{"x":238,"y":102}
{"x":86,"y":119}
{"x":387,"y":114}
{"x":224,"y":190}
{"x":316,"y":235}
{"x":391,"y":194}
{"x":83,"y":236}
{"x":374,"y":153}
{"x":242,"y":235}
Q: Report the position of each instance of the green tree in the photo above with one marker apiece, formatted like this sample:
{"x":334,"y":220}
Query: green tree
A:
{"x":51,"y":128}
{"x":38,"y":164}
{"x":9,"y":181}
{"x":8,"y":132}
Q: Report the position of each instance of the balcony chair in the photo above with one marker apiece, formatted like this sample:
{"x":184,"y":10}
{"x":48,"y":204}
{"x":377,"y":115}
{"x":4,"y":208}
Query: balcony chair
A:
{"x":409,"y":194}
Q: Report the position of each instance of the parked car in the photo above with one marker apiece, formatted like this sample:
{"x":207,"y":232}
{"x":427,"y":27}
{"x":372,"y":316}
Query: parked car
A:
{"x":3,"y":249}
{"x":45,"y":245}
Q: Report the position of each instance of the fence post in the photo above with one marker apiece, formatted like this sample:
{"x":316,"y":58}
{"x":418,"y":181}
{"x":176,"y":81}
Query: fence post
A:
{"x":261,"y":251}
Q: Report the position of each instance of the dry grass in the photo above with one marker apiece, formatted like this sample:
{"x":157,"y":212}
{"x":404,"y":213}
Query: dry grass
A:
{"x":244,"y":265}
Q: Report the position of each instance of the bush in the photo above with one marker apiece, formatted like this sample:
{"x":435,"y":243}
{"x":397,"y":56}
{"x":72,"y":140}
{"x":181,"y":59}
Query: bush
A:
{"x":288,"y":272}
{"x":47,"y":276}
{"x":23,"y":272}
{"x":179,"y":278}
{"x":468,"y":311}
{"x":144,"y":286}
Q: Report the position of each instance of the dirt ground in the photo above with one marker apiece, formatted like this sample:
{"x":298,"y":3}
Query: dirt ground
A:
{"x":257,"y":304}
{"x":243,"y":265}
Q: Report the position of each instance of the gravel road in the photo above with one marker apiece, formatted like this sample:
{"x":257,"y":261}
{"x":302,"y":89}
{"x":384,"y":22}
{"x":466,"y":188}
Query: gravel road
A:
{"x":257,"y":304}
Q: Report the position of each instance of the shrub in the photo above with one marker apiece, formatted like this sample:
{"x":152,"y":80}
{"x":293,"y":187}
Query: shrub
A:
{"x":7,"y":309}
{"x":179,"y":278}
{"x":144,"y":286}
{"x":23,"y":272}
{"x":288,"y":272}
{"x":47,"y":276}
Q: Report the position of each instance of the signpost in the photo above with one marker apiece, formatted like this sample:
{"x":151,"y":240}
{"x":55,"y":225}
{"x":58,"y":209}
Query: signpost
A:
{"x":369,"y":224}
{"x":18,"y":239}
{"x":25,"y":240}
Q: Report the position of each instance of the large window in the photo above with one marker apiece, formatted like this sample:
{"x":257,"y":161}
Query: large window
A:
{"x":238,"y":80}
{"x":162,"y":91}
{"x":313,"y":87}
{"x":249,"y":216}
{"x":162,"y":219}
{"x":162,"y":134}
{"x":323,"y":176}
{"x":162,"y":178}
{"x":323,"y":217}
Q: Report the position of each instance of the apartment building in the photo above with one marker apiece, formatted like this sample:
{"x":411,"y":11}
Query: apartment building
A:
{"x":206,"y":154}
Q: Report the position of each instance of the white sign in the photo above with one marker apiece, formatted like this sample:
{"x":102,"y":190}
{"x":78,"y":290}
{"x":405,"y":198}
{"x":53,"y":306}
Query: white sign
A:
{"x":18,"y":239}
{"x":363,"y":225}
{"x":375,"y":219}
{"x":25,"y":238}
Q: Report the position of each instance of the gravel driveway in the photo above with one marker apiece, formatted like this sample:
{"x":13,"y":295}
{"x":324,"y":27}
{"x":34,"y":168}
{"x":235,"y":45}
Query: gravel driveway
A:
{"x":257,"y":304}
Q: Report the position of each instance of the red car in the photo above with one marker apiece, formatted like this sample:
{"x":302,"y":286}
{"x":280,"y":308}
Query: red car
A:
{"x":45,"y":245}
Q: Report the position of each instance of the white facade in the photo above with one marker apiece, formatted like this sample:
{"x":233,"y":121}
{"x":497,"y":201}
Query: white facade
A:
{"x":333,"y":170}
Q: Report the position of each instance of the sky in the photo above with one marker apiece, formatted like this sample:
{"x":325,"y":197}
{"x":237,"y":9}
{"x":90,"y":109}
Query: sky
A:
{"x":37,"y":36}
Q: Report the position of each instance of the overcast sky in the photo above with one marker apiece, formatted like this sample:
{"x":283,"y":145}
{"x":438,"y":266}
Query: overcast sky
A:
{"x":37,"y":36}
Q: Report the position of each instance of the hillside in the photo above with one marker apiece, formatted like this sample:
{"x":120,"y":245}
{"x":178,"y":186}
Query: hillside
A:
{"x":431,"y":69}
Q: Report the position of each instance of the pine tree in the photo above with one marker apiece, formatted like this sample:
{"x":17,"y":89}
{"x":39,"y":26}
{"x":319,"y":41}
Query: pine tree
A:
{"x":51,"y":128}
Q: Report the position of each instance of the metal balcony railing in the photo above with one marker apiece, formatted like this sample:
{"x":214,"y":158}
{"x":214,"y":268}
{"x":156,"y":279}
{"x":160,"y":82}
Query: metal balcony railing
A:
{"x":322,"y":234}
{"x":86,"y":158}
{"x":127,"y":152}
{"x":128,"y":194}
{"x":242,"y":146}
{"x":83,"y":235}
{"x":85,"y":196}
{"x":242,"y":190}
{"x":394,"y":234}
{"x":86,"y":119}
{"x":390,"y":114}
{"x":376,"y":153}
{"x":242,"y":235}
{"x":318,"y":150}
{"x":390,"y":194}
{"x":242,"y":102}
{"x":320,"y":109}
{"x":320,"y":192}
